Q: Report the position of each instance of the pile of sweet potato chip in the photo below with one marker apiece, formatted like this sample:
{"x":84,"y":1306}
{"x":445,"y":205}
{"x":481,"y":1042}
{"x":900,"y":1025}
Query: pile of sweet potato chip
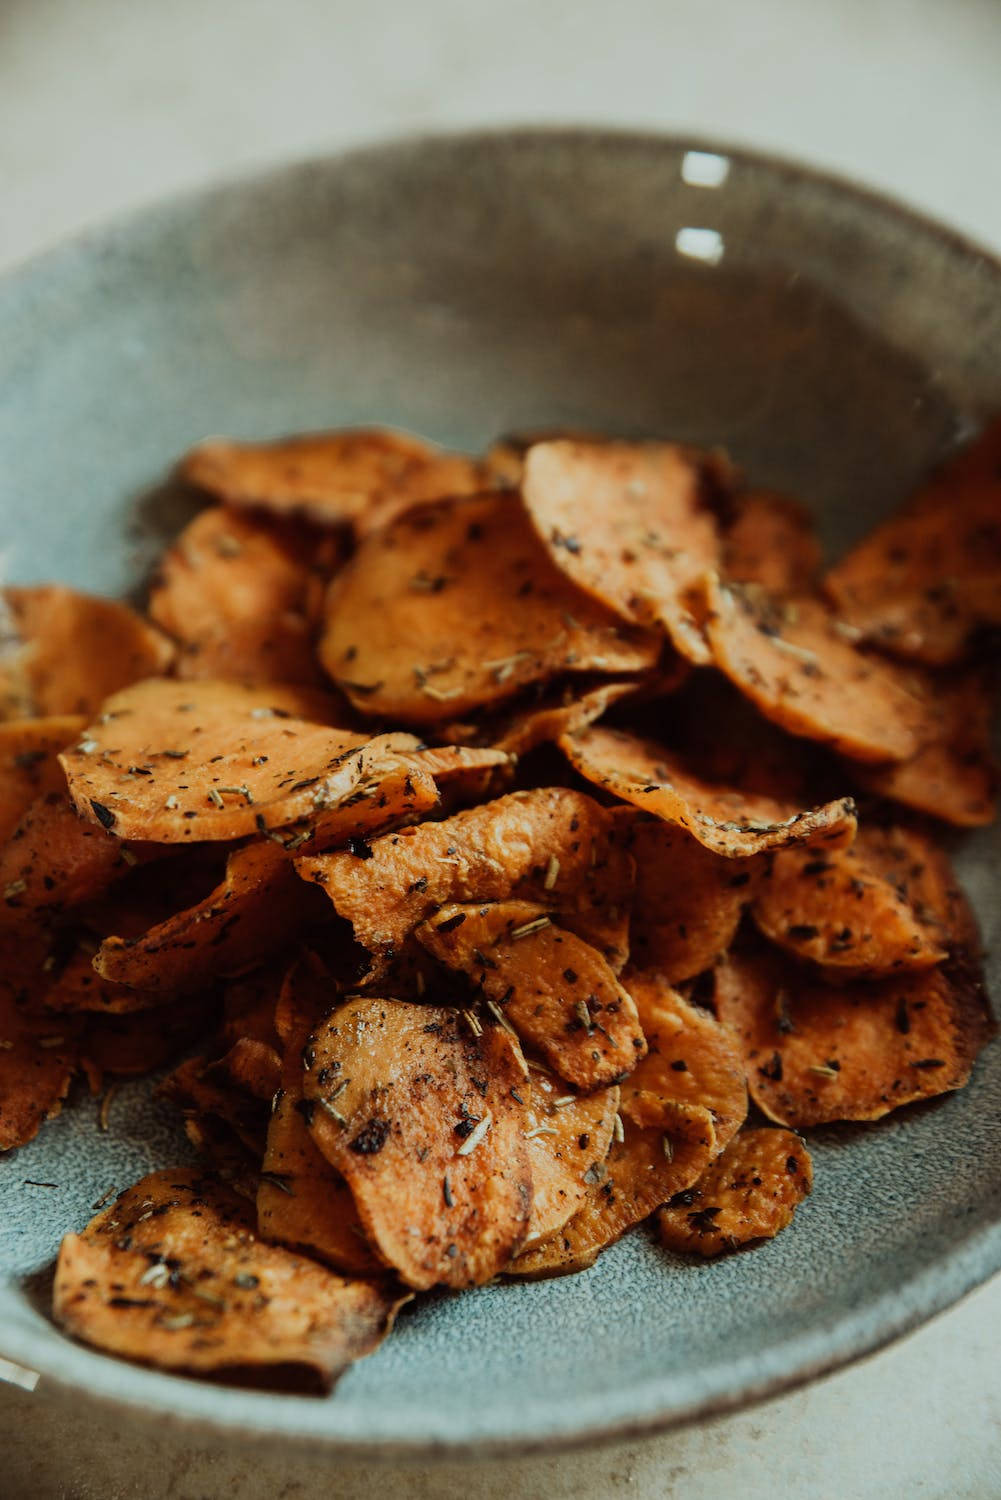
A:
{"x":501,"y":852}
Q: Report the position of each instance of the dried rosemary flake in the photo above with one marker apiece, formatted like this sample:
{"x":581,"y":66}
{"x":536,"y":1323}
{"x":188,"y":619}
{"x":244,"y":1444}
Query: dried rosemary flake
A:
{"x":539,"y":1130}
{"x":619,"y":1130}
{"x":473,"y":1022}
{"x":105,"y":1197}
{"x":177,"y":1321}
{"x":215,"y":797}
{"x":527,"y":928}
{"x":563,"y":1101}
{"x":14,"y":888}
{"x":332,"y":1111}
{"x":171,"y":803}
{"x":50,"y":1041}
{"x":104,"y":1108}
{"x":667,"y":1146}
{"x":500,"y":1018}
{"x":441,"y":695}
{"x":584,"y":1016}
{"x":823,"y":1070}
{"x":157,"y":1275}
{"x":472,"y":1141}
{"x":87,"y":747}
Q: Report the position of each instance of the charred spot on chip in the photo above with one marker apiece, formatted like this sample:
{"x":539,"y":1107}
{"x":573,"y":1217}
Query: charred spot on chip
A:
{"x":371,"y":1138}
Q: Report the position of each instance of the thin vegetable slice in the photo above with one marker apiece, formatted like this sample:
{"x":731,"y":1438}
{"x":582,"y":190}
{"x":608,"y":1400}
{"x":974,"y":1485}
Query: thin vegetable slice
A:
{"x":172,"y":1274}
{"x":771,"y":542}
{"x":54,"y":860}
{"x":568,"y":1139}
{"x":456,"y":606}
{"x":29,"y":767}
{"x":722,"y":818}
{"x":629,"y":523}
{"x":129,"y":1045}
{"x":555,"y":990}
{"x":416,"y":1112}
{"x":749,"y":1193}
{"x":816,"y":1053}
{"x":38,"y":1054}
{"x":923,"y":876}
{"x":75,"y":650}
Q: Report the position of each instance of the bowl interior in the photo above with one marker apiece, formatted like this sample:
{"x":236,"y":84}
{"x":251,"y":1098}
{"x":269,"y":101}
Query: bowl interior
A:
{"x":835,"y":344}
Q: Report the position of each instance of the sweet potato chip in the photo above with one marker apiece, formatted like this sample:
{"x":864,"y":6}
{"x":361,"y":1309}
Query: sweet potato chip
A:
{"x":504,"y":460}
{"x":78,"y":988}
{"x":416,"y":1112}
{"x":568,"y":1139}
{"x":54,"y":860}
{"x":923,"y":876}
{"x":193,"y":1090}
{"x":544,"y":712}
{"x":132,"y":1044}
{"x":955,"y":775}
{"x":771,"y":542}
{"x":176,"y":761}
{"x":815,"y":1052}
{"x":29,"y":767}
{"x":551,"y":845}
{"x":249,"y":1004}
{"x":456,"y":606}
{"x":748,"y":1193}
{"x":688,"y":900}
{"x":683,"y":1103}
{"x":76,"y":649}
{"x":629,"y":523}
{"x":335,"y":478}
{"x":38,"y":1055}
{"x":722,"y":818}
{"x":929,"y":577}
{"x":172,"y":1274}
{"x":837,"y":910}
{"x":555,"y":990}
{"x":789,"y":657}
{"x":258,"y":907}
{"x":465,"y":774}
{"x":239,"y":594}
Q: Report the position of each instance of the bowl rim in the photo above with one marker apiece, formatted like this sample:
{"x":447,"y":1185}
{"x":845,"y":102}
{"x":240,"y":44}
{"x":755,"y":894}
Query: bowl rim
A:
{"x":923,"y":1294}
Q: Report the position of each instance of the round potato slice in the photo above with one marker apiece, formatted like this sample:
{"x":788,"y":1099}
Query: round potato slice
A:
{"x":771,"y":542}
{"x":568,"y":1138}
{"x":39,"y":1054}
{"x":749,"y":1193}
{"x":29,"y":767}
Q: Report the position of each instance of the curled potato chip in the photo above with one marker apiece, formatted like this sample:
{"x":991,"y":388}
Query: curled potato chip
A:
{"x":790,"y":658}
{"x":688,"y":901}
{"x":29,"y":767}
{"x":504,"y":460}
{"x":541,"y":714}
{"x":256,"y":909}
{"x":771,"y":542}
{"x":416,"y":1112}
{"x":249,"y":1003}
{"x":838,"y":910}
{"x":456,"y":606}
{"x":722,"y":818}
{"x":193,"y":1089}
{"x":464,"y":774}
{"x":929,"y":577}
{"x":815,"y":1052}
{"x":629,"y":523}
{"x":172,"y":1274}
{"x":748,"y":1193}
{"x":568,"y":1138}
{"x":550,"y":845}
{"x":358,"y":477}
{"x":176,"y":761}
{"x":555,"y":990}
{"x":38,"y":1054}
{"x":239,"y":595}
{"x":78,"y":988}
{"x":75,"y":650}
{"x":955,"y":775}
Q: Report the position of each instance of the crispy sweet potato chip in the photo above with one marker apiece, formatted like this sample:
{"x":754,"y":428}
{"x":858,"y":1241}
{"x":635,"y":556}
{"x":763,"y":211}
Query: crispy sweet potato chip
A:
{"x":629,"y":523}
{"x":29,"y":767}
{"x":771,"y":542}
{"x":547,"y":710}
{"x":924,"y":581}
{"x":556,"y":991}
{"x":955,"y":775}
{"x":249,"y":1003}
{"x":54,"y":860}
{"x":176,"y":761}
{"x":688,"y":900}
{"x":816,"y":1053}
{"x":722,"y":818}
{"x":132,"y":1044}
{"x":456,"y":606}
{"x":38,"y":1054}
{"x":923,"y":876}
{"x":838,"y":910}
{"x":465,"y":774}
{"x":193,"y":1089}
{"x":240,"y":595}
{"x":258,"y":907}
{"x":76,"y":649}
{"x":417,"y":1114}
{"x":551,"y":845}
{"x":748,"y":1193}
{"x":568,"y":1139}
{"x":356,"y":477}
{"x":789,"y":657}
{"x":78,"y":988}
{"x":172,"y":1274}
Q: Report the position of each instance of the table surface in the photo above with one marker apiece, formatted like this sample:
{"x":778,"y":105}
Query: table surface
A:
{"x":111,"y":104}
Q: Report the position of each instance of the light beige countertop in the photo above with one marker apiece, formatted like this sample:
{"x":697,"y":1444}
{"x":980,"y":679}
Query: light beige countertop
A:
{"x":105,"y":104}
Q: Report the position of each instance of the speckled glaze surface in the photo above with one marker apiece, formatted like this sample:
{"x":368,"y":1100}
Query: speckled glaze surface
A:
{"x":461,"y":287}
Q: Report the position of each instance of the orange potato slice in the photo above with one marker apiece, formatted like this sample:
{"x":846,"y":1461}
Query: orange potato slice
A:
{"x":629,"y":523}
{"x":171,"y":1274}
{"x":38,"y":1054}
{"x":722,"y":818}
{"x":78,"y":988}
{"x":923,"y":582}
{"x":193,"y":1089}
{"x":569,"y":1137}
{"x":29,"y":767}
{"x":816,"y":1053}
{"x":771,"y":542}
{"x":688,"y":901}
{"x":748,"y":1193}
{"x":541,"y":714}
{"x":555,"y":990}
{"x":238,"y":593}
{"x":550,"y":845}
{"x":75,"y":650}
{"x":790,"y":658}
{"x":923,"y":876}
{"x":416,"y":1113}
{"x":455,"y":606}
{"x":504,"y":460}
{"x":130,"y":1045}
{"x":249,"y":1004}
{"x":176,"y":761}
{"x":465,"y":774}
{"x":335,"y":478}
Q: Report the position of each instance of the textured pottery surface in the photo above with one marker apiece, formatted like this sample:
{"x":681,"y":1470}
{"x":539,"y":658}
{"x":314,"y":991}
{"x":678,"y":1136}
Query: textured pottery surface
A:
{"x":461,"y":288}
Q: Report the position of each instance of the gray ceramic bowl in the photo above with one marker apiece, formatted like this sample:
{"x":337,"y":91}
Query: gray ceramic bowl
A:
{"x":462,"y":287}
